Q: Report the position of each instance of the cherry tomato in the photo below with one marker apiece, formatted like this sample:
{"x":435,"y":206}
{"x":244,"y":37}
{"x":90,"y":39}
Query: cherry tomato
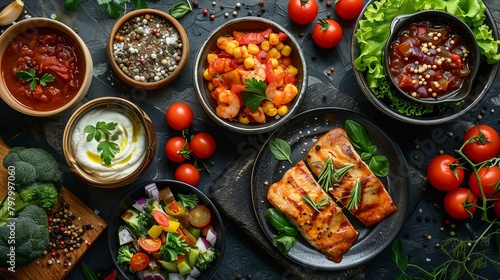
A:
{"x":460,"y":203}
{"x":486,"y":146}
{"x":349,"y":9}
{"x":200,"y":216}
{"x":175,"y":149}
{"x":496,"y":208}
{"x":139,"y":261}
{"x":149,"y":244}
{"x":179,"y":116}
{"x":187,"y":173}
{"x":445,"y":173}
{"x":161,"y":218}
{"x":489,"y":178}
{"x":327,"y":33}
{"x":302,"y":11}
{"x":203,"y":145}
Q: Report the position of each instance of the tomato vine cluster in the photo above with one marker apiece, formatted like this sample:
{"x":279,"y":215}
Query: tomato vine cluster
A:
{"x":180,"y":149}
{"x":327,"y":33}
{"x":478,"y":159}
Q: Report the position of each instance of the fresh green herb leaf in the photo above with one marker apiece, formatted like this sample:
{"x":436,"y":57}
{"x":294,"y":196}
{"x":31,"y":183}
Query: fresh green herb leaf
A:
{"x":140,"y":4}
{"x":102,"y":131}
{"x":71,"y":5}
{"x":397,"y":254}
{"x":33,"y":79}
{"x":280,"y":222}
{"x":179,"y":9}
{"x":379,"y":165}
{"x":321,"y":204}
{"x":330,"y":177}
{"x":255,"y":94}
{"x":188,"y":200}
{"x":280,"y":149}
{"x":354,"y":197}
{"x":114,"y":10}
{"x":174,"y":247}
{"x":284,"y":242}
{"x":360,"y":139}
{"x":88,"y":273}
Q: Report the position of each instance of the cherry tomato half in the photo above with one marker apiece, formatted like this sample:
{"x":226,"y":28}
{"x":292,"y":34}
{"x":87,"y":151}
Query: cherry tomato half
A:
{"x":349,"y":9}
{"x":200,"y":216}
{"x":460,"y":203}
{"x":486,"y":146}
{"x":176,"y":148}
{"x":161,"y":218}
{"x":327,"y":33}
{"x":179,"y":116}
{"x":188,"y":174}
{"x":302,"y":11}
{"x":149,"y":244}
{"x":445,"y":173}
{"x":202,"y":145}
{"x":139,"y":261}
{"x":489,"y":177}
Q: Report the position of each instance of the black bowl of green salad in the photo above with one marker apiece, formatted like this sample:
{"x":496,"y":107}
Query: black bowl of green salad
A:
{"x":368,"y":57}
{"x":166,"y":229}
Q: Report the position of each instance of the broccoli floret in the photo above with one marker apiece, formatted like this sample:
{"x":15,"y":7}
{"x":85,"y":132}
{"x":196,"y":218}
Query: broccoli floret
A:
{"x":33,"y":165}
{"x":44,"y":195}
{"x":205,"y":259}
{"x":24,"y":239}
{"x":125,"y":253}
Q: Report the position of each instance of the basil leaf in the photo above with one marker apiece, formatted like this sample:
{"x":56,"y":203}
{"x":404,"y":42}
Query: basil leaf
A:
{"x":280,"y":149}
{"x":358,"y":135}
{"x":280,"y":222}
{"x":379,"y":165}
{"x":284,"y":243}
{"x":71,"y":5}
{"x":179,"y":9}
{"x":365,"y":156}
{"x":88,"y":273}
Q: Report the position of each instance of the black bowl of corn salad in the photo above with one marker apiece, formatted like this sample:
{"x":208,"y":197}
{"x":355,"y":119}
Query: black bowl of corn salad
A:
{"x":250,"y":75}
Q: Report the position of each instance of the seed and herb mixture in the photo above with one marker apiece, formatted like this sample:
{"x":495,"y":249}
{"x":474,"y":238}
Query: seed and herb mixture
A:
{"x":147,"y":48}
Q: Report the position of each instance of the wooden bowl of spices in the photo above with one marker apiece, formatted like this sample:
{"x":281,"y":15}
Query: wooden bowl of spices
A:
{"x":148,"y":49}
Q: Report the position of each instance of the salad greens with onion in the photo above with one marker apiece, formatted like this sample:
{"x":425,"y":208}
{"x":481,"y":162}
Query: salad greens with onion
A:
{"x":374,"y":31}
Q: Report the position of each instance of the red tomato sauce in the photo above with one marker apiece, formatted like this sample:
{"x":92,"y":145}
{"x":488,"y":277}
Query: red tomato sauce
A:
{"x":428,"y":61}
{"x":48,"y":51}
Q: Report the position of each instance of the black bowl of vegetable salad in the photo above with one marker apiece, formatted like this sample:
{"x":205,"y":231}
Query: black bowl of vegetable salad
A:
{"x":166,"y":229}
{"x":367,"y":53}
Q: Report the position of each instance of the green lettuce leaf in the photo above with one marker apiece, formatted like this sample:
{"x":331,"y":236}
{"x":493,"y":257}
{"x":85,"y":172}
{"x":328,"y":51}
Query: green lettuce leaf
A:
{"x":374,"y":30}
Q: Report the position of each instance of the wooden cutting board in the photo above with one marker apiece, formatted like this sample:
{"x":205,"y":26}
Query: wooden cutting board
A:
{"x":39,"y":269}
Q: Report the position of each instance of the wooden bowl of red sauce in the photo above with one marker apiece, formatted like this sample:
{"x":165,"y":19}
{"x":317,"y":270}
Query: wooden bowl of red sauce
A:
{"x":431,"y":57}
{"x":46,"y":67}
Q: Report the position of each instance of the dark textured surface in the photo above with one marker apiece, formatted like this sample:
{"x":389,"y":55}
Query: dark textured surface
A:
{"x":249,"y":253}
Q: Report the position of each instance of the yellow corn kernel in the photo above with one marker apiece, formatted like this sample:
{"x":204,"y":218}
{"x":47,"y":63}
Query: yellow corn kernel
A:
{"x":253,"y":49}
{"x":210,"y":86}
{"x":265,"y":46}
{"x":274,"y":39}
{"x":286,"y":50}
{"x":268,"y":105}
{"x":278,"y":71}
{"x":211,"y":57}
{"x":280,"y":46}
{"x":283,"y":110}
{"x":243,"y":119}
{"x":249,"y":62}
{"x":274,"y":53}
{"x":237,"y":53}
{"x":240,"y":60}
{"x":244,"y":51}
{"x":272,"y":112}
{"x":274,"y":62}
{"x":292,"y":70}
{"x":207,"y":76}
{"x":230,"y":47}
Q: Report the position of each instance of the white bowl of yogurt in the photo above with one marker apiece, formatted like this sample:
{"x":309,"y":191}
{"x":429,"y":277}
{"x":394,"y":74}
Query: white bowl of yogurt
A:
{"x":109,"y":142}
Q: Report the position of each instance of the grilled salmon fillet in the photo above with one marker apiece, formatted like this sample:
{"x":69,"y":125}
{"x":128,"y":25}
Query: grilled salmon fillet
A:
{"x":326,"y":229}
{"x":376,"y":203}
